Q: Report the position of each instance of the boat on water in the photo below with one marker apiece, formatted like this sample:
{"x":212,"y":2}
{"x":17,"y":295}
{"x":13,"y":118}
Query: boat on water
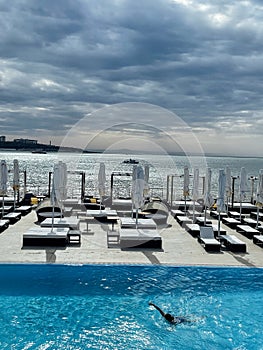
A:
{"x":130,"y":161}
{"x":39,"y":152}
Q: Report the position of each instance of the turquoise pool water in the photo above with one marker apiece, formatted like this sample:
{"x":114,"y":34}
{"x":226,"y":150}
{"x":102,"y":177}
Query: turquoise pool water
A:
{"x":106,"y":307}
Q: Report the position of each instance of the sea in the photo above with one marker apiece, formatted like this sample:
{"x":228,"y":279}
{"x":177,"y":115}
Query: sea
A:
{"x":35,"y":172}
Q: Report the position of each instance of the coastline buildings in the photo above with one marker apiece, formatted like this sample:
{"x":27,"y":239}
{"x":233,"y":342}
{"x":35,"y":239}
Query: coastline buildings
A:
{"x":22,"y":144}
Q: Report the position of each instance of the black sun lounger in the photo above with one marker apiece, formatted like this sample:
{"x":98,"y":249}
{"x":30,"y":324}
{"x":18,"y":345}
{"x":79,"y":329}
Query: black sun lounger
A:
{"x":258,"y":239}
{"x":247,"y":231}
{"x":138,"y":238}
{"x":12,"y":217}
{"x":232,"y":243}
{"x":231,"y":222}
{"x":215,"y":214}
{"x":250,"y":222}
{"x":183,"y":220}
{"x":200,"y":220}
{"x":207,"y":239}
{"x":23,"y":209}
{"x":4,"y":225}
{"x":193,"y":229}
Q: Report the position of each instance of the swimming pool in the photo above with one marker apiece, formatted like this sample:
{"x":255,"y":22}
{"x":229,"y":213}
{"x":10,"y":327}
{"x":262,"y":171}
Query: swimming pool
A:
{"x":106,"y":307}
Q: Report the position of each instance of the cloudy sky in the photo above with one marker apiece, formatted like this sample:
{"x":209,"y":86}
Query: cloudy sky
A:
{"x":198,"y":62}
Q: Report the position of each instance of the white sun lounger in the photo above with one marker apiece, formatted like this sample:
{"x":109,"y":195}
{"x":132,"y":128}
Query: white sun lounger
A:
{"x":233,"y":243}
{"x":207,"y":238}
{"x":4,"y":225}
{"x":138,"y":238}
{"x":46,"y":237}
{"x":128,"y":222}
{"x":247,"y":231}
{"x":71,"y":222}
{"x":258,"y":239}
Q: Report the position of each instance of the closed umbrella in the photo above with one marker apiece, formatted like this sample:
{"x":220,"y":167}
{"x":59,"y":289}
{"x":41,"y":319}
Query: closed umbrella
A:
{"x":243,"y":187}
{"x":259,"y":200}
{"x":208,"y":199}
{"x":58,"y":186}
{"x":64,"y":183}
{"x":101,"y":181}
{"x":220,"y":202}
{"x":195,"y":189}
{"x":16,"y":183}
{"x":228,"y":186}
{"x":186,"y":185}
{"x":3,"y":188}
{"x":146,"y":190}
{"x":138,"y":199}
{"x":134,"y":169}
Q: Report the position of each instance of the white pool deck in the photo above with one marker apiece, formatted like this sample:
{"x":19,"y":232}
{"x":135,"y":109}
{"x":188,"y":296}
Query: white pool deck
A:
{"x":179,"y":248}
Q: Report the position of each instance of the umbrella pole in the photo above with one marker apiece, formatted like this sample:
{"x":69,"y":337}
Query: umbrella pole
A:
{"x":257,"y":217}
{"x":3,"y":206}
{"x":219,"y":218}
{"x":14,"y":199}
{"x":136,"y":218}
{"x":184,"y":204}
{"x":240,"y":211}
{"x":53,"y":213}
{"x":205,"y":216}
{"x":194,"y":212}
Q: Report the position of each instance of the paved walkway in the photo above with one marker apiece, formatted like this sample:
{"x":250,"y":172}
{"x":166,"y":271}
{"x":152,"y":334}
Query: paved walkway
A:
{"x":179,"y":248}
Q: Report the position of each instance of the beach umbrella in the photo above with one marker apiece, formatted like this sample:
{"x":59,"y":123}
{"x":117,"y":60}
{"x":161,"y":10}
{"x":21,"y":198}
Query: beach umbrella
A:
{"x":186,"y":185}
{"x":101,"y":181}
{"x":146,"y":190}
{"x":133,"y":186}
{"x":58,"y":191}
{"x":228,"y":186}
{"x":208,"y":199}
{"x":243,"y":187}
{"x":220,"y":202}
{"x":259,"y":200}
{"x":195,"y":193}
{"x":137,"y":198}
{"x":3,"y":187}
{"x":16,"y":183}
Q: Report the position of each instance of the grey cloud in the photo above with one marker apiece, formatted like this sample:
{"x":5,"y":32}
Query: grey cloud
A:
{"x":201,"y":60}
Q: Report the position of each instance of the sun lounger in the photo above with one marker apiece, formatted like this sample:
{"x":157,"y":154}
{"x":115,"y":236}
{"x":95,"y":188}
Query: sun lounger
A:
{"x":192,"y":213}
{"x":254,"y":215}
{"x":231,"y":222}
{"x":7,"y":209}
{"x":23,"y":209}
{"x":138,"y":238}
{"x":71,"y":222}
{"x":215,"y":229}
{"x":183,"y":220}
{"x":250,"y":222}
{"x":235,"y":215}
{"x":201,"y":221}
{"x":46,"y":237}
{"x":12,"y":217}
{"x":177,"y":212}
{"x":215,"y":214}
{"x":258,"y":239}
{"x":207,"y":239}
{"x":232,"y":243}
{"x":247,"y":231}
{"x":128,"y":222}
{"x":4,"y":225}
{"x":193,"y":229}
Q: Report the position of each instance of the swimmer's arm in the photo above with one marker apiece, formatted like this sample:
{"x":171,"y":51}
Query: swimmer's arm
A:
{"x":157,"y":308}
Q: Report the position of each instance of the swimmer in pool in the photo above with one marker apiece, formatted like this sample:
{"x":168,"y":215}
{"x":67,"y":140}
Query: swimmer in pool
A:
{"x":170,"y":318}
